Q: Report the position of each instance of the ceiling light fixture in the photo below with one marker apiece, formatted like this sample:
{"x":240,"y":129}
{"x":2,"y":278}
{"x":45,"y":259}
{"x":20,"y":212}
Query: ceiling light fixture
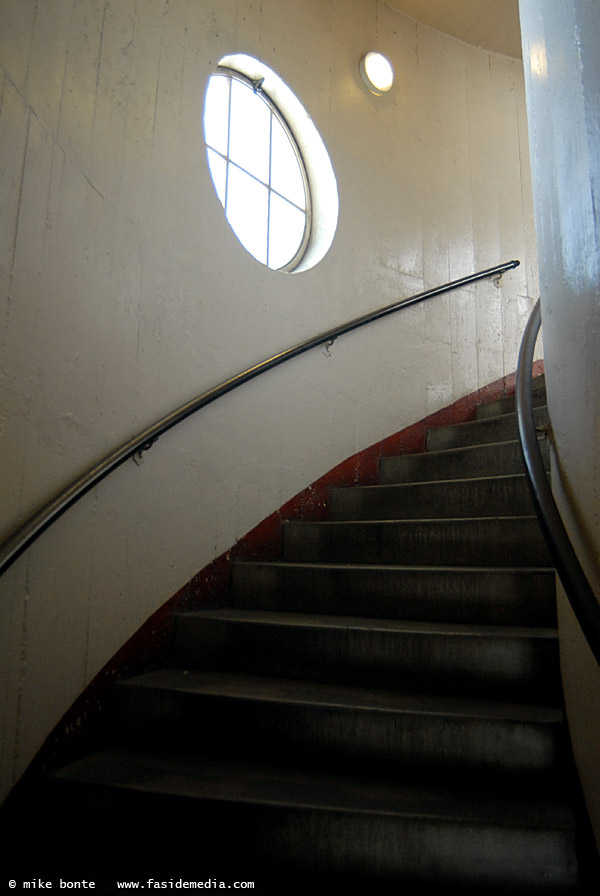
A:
{"x":377,"y":73}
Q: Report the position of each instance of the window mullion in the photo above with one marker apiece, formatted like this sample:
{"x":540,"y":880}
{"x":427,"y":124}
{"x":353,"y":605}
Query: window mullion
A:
{"x":258,"y":163}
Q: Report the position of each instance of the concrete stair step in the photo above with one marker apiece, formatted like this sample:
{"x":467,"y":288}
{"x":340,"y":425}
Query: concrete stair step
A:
{"x":442,"y":499}
{"x":275,"y":824}
{"x":507,"y":405}
{"x":495,"y":596}
{"x":494,"y":458}
{"x":479,"y":432}
{"x":493,"y":541}
{"x":508,"y":662}
{"x":335,"y":725}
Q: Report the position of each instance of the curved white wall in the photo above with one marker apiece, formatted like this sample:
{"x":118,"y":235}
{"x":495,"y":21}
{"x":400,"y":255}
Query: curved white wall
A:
{"x":124,"y":293}
{"x":563,"y":92}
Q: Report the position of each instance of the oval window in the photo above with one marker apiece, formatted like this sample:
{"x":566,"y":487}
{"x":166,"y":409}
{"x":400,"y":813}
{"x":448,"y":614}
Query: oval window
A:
{"x":258,"y":169}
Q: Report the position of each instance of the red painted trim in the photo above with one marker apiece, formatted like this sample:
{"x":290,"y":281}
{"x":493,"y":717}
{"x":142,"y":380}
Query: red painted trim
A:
{"x":151,"y":643}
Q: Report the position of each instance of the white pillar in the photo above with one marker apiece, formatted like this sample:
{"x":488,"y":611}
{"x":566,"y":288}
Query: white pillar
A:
{"x":562,"y":79}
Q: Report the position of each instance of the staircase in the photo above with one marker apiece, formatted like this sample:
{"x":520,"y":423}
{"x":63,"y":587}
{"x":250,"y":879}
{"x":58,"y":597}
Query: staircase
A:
{"x":383,"y":705}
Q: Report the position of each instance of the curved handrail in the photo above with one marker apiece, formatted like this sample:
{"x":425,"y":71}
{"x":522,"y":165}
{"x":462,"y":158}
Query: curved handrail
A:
{"x":27,"y":533}
{"x":572,"y":576}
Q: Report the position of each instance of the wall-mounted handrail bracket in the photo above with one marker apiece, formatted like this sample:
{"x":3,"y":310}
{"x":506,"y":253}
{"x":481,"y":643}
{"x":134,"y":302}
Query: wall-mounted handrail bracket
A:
{"x":137,"y":456}
{"x":26,"y":534}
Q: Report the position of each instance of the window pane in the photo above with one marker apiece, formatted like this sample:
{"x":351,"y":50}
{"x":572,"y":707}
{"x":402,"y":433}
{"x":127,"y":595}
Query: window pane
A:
{"x":256,"y":170}
{"x":218,"y":170}
{"x":286,"y":231}
{"x":216,"y":113}
{"x":286,"y":177}
{"x":250,"y":131}
{"x":247,"y":208}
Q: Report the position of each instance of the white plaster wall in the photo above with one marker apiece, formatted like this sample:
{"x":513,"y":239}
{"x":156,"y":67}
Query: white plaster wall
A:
{"x":563,"y":86}
{"x":124,"y":294}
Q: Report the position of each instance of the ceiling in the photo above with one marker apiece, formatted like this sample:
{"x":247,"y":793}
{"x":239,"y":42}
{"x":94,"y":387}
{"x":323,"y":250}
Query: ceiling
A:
{"x":491,"y":24}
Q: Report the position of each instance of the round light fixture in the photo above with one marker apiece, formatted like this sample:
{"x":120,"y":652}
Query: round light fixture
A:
{"x":377,"y":73}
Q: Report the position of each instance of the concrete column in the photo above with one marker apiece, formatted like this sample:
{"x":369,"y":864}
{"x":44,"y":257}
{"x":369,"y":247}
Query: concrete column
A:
{"x":562,"y":78}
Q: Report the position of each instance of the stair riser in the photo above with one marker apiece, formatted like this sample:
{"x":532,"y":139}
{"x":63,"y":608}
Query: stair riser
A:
{"x":502,"y":597}
{"x":496,"y":429}
{"x":274,"y":844}
{"x":501,"y":496}
{"x":336,"y":734}
{"x":507,"y":405}
{"x":499,"y":459}
{"x":493,"y":542}
{"x":484,"y":666}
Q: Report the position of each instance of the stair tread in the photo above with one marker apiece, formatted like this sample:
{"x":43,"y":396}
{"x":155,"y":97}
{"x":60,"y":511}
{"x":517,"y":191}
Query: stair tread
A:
{"x":288,"y":691}
{"x":538,"y":393}
{"x":396,"y":568}
{"x":359,"y":623}
{"x":511,"y":415}
{"x":461,"y":449}
{"x":240,"y":781}
{"x":399,"y":589}
{"x":442,"y":521}
{"x":466,"y":481}
{"x":480,"y":431}
{"x":507,"y":494}
{"x":464,"y":462}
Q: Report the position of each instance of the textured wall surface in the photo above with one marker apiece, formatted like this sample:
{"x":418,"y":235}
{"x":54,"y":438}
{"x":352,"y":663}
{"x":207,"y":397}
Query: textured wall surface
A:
{"x":123,"y":293}
{"x":563,"y":84}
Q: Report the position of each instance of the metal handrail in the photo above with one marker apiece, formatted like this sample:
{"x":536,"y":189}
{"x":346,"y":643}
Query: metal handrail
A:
{"x":27,"y":533}
{"x":574,"y":580}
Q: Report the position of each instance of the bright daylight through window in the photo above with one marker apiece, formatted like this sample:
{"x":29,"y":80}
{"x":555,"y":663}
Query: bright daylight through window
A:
{"x":257,"y":170}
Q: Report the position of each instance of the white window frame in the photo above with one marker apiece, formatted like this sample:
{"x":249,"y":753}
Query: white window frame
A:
{"x":257,"y":88}
{"x":325,"y":203}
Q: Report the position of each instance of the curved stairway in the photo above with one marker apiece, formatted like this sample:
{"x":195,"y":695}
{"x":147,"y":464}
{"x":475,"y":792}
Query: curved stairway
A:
{"x":382,"y":705}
